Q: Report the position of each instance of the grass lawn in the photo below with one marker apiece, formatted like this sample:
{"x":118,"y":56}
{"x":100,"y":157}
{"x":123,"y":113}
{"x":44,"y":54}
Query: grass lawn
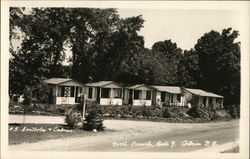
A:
{"x":28,"y":133}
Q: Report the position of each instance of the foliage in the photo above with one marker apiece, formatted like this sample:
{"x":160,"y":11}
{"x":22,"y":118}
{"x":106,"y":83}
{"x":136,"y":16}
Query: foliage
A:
{"x":168,"y":57}
{"x":234,"y":110}
{"x":194,"y":111}
{"x":72,"y":118}
{"x":188,"y":69}
{"x":220,"y":114}
{"x":93,"y":120}
{"x":166,"y":113}
{"x":219,"y":63}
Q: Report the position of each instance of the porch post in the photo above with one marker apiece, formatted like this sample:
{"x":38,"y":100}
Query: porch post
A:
{"x":151,"y":94}
{"x":100,"y":95}
{"x":75,"y":92}
{"x":132,"y":95}
{"x":206,"y":102}
{"x":122,"y":94}
{"x":111,"y":93}
{"x":55,"y":99}
{"x":56,"y":90}
{"x":222,"y":99}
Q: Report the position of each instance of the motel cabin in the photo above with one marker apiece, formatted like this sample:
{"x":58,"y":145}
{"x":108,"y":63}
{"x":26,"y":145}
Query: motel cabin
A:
{"x":69,"y":91}
{"x":168,"y":96}
{"x":138,"y":95}
{"x":64,"y":91}
{"x":104,"y":92}
{"x":203,"y":98}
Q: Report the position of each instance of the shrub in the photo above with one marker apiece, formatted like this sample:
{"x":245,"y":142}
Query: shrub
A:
{"x":94,"y":119}
{"x":234,"y":111}
{"x":166,"y":113}
{"x":220,"y":114}
{"x":72,"y":118}
{"x":194,"y":111}
{"x":145,"y":111}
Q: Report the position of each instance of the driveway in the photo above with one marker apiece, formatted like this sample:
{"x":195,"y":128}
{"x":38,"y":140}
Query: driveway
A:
{"x":145,"y":136}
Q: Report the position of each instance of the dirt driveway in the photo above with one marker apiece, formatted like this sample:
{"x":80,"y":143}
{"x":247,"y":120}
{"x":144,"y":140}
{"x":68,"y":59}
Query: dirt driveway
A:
{"x":133,"y":130}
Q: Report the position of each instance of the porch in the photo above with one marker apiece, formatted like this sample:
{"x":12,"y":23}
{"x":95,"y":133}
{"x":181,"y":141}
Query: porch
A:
{"x":139,"y":95}
{"x":64,"y":91}
{"x":105,"y":93}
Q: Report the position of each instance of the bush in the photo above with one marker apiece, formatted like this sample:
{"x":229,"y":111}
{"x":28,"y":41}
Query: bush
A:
{"x":194,"y":111}
{"x":234,"y":111}
{"x":145,"y":111}
{"x":166,"y":113}
{"x":72,"y":118}
{"x":94,"y":119}
{"x":220,"y":114}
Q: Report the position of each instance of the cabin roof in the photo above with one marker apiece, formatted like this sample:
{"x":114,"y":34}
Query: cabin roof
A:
{"x":101,"y":83}
{"x":62,"y":81}
{"x":169,"y":89}
{"x":203,"y":93}
{"x":138,"y":86}
{"x":57,"y":80}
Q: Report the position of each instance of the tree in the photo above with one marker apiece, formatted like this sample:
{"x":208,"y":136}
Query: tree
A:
{"x":41,"y":51}
{"x":127,"y":44}
{"x":169,"y":56}
{"x":98,"y":38}
{"x":188,"y":69}
{"x":219,"y":63}
{"x":138,"y":68}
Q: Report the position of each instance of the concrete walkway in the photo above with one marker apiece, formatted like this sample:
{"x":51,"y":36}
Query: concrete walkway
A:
{"x":36,"y":119}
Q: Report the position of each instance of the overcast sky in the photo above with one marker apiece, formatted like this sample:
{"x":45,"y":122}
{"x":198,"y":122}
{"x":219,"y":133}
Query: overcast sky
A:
{"x":184,"y":27}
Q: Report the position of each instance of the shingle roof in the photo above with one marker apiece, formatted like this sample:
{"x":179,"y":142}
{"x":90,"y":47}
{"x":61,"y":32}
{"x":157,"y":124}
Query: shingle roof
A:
{"x":99,"y":84}
{"x":56,"y":80}
{"x":169,"y":89}
{"x":203,"y":93}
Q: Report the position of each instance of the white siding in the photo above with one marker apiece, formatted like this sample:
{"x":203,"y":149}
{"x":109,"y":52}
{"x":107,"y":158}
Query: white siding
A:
{"x":65,"y":100}
{"x":108,"y":101}
{"x":142,"y":102}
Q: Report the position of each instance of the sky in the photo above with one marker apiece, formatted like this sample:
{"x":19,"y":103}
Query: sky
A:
{"x":181,"y":26}
{"x":184,"y":27}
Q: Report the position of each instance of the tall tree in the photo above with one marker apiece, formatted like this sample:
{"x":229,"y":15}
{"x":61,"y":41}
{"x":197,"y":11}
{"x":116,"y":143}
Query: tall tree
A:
{"x":188,"y":69}
{"x":170,"y":56}
{"x":219,"y":62}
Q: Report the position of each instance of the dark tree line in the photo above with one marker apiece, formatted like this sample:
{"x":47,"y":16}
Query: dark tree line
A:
{"x":107,"y":47}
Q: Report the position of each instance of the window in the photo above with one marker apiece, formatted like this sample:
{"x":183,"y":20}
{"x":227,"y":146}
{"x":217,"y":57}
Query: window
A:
{"x":90,"y":92}
{"x":65,"y":92}
{"x":136,"y":94}
{"x":163,"y":95}
{"x":105,"y":93}
{"x":178,"y":97}
{"x":148,"y":95}
{"x":117,"y":92}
